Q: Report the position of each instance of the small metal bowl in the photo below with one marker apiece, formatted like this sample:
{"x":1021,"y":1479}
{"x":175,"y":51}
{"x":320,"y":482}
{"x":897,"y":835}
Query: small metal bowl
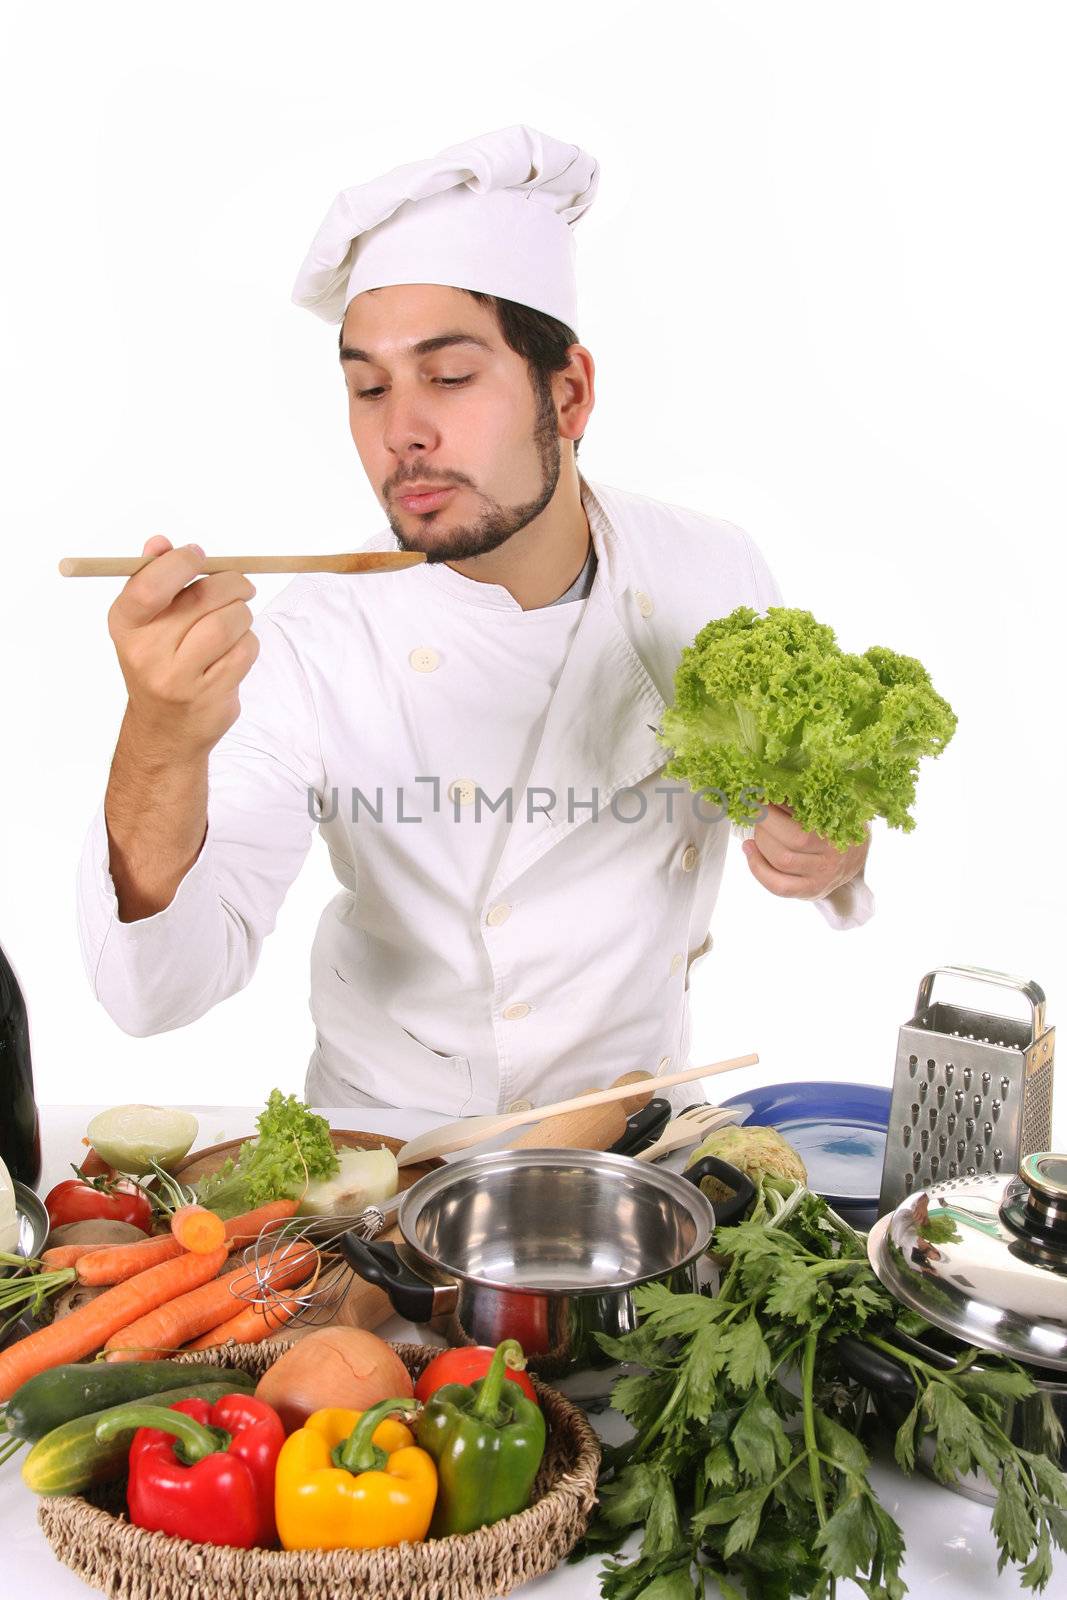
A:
{"x":34,"y":1226}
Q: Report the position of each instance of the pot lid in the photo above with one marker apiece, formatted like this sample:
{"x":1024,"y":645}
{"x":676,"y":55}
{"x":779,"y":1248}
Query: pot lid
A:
{"x":985,"y":1259}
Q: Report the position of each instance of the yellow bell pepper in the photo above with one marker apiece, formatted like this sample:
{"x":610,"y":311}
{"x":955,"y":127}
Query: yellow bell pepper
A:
{"x":353,"y":1480}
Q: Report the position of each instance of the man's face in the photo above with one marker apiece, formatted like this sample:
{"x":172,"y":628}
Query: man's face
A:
{"x":457,"y":446}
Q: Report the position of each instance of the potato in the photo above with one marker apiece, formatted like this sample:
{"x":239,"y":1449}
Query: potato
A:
{"x":346,"y":1367}
{"x":96,"y":1230}
{"x":74,"y":1298}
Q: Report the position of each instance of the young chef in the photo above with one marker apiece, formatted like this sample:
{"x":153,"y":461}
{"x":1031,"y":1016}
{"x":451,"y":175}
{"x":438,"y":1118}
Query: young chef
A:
{"x":523,"y":895}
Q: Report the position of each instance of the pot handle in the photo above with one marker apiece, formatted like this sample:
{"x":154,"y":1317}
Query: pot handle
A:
{"x":742,"y":1185}
{"x":411,"y":1296}
{"x":875,"y":1370}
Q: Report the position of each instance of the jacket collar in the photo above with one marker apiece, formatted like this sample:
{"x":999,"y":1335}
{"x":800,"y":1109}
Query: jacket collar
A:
{"x":610,"y":580}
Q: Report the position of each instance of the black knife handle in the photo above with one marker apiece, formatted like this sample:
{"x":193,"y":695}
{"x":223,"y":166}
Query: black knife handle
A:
{"x":643,"y":1128}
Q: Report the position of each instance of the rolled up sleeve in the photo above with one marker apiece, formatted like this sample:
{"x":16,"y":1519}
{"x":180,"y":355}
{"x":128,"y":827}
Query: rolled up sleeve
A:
{"x":850,"y":906}
{"x":165,"y":970}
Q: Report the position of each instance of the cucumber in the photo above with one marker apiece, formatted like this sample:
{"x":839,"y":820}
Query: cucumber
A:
{"x":71,"y":1459}
{"x":63,"y":1393}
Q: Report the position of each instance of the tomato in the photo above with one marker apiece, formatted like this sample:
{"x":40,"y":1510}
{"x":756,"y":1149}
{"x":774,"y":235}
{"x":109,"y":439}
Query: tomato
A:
{"x":525,"y":1316}
{"x":466,"y":1364}
{"x":73,"y":1201}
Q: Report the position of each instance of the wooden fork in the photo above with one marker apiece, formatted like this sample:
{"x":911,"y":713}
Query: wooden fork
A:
{"x":689,"y":1127}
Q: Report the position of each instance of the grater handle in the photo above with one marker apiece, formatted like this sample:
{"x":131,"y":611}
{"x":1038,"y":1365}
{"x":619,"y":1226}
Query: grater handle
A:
{"x":1033,"y":991}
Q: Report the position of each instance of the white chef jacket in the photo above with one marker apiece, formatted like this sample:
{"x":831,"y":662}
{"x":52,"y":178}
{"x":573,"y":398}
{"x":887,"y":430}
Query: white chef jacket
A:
{"x":471,"y":961}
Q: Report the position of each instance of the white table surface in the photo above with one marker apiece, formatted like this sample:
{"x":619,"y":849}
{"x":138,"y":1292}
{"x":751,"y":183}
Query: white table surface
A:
{"x":951,"y":1552}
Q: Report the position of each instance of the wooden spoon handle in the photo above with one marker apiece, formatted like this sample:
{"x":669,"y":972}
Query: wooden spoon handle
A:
{"x":641,"y":1100}
{"x":357,"y":561}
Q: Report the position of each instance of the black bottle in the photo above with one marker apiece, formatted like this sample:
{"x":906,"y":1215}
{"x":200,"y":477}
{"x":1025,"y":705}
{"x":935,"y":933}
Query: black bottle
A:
{"x":20,"y":1134}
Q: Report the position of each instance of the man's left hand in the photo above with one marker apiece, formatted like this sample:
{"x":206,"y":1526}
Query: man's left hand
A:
{"x":799,"y":865}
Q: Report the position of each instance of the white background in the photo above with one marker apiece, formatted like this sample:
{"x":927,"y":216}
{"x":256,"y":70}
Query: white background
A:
{"x":823,"y":284}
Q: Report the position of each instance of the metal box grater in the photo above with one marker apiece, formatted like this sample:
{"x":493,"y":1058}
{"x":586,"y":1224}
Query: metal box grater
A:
{"x":972,"y":1090}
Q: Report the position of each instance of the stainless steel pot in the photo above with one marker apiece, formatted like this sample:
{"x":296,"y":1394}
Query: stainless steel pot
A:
{"x":547,"y":1247}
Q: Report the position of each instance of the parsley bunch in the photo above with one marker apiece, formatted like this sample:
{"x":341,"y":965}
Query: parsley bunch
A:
{"x":292,"y":1145}
{"x":735,"y":1477}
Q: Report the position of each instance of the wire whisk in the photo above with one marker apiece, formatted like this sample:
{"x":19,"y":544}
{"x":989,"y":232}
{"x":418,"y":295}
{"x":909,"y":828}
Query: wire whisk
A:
{"x":318,"y":1300}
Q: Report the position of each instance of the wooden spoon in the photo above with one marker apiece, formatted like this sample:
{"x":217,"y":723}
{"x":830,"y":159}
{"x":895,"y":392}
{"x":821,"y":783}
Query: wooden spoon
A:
{"x":472,"y":1130}
{"x":357,"y":561}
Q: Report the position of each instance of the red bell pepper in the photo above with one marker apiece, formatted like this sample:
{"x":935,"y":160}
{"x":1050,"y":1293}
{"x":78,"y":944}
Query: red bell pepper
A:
{"x":202,"y":1472}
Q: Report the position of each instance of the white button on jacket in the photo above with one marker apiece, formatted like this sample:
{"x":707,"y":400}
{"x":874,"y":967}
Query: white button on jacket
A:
{"x":350,"y":722}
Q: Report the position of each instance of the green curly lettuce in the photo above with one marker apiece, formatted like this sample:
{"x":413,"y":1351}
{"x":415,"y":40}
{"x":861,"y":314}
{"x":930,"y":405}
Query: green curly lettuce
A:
{"x":770,"y":710}
{"x":291,"y":1147}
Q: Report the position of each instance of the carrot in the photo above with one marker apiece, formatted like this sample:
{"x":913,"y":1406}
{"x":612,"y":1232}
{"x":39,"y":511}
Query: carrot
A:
{"x":246,"y":1228}
{"x":90,"y":1326}
{"x":121,"y":1261}
{"x":197,"y":1229}
{"x":94,"y":1166}
{"x":115,"y":1263}
{"x":65,"y":1255}
{"x":255,"y":1322}
{"x":171,"y":1325}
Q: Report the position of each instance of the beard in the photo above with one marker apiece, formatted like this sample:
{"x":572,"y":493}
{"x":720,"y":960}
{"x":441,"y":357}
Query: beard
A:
{"x":496,"y":523}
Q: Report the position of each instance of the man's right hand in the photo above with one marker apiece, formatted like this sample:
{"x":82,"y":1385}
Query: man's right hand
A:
{"x":184,"y":648}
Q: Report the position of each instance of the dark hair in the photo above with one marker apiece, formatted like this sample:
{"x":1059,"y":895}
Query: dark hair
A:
{"x":541,"y":340}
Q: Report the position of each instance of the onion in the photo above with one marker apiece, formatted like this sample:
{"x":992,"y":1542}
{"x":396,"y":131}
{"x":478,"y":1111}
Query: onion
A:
{"x":130,"y":1138}
{"x":365,"y":1177}
{"x":346,"y":1367}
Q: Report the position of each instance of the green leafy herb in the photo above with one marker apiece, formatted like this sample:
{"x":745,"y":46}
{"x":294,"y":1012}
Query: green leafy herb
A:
{"x":735,"y":1479}
{"x":292,"y":1146}
{"x":771,"y":708}
{"x":940,"y":1228}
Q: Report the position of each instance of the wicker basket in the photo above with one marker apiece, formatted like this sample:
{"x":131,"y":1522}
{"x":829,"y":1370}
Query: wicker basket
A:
{"x":91,"y":1533}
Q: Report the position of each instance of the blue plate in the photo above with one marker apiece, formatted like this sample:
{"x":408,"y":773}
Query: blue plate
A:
{"x":837,"y":1129}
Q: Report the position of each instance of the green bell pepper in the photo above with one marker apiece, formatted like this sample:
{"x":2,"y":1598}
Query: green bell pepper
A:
{"x":487,"y":1440}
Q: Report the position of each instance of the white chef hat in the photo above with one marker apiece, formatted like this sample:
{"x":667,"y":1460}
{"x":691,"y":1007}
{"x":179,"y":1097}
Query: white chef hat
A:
{"x":494,"y":214}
